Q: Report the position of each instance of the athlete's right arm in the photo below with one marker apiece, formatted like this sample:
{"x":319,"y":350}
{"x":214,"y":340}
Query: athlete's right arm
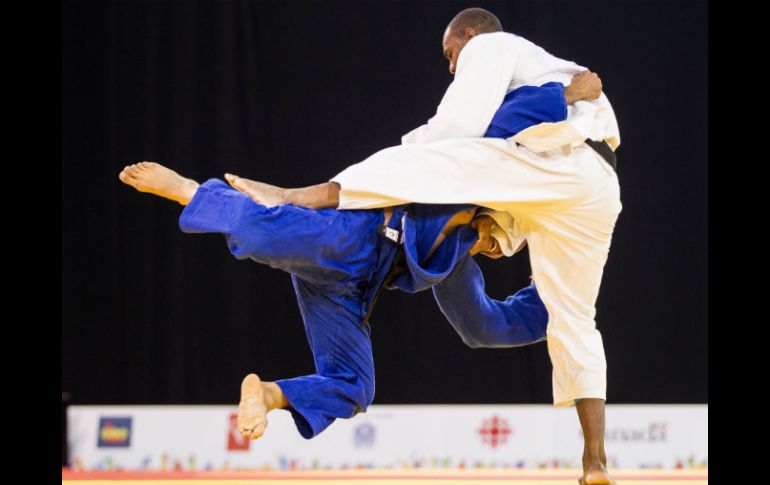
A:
{"x":482,"y":78}
{"x":482,"y":321}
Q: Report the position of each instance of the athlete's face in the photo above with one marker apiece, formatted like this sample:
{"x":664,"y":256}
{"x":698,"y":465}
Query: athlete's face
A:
{"x":453,"y":44}
{"x":486,"y":243}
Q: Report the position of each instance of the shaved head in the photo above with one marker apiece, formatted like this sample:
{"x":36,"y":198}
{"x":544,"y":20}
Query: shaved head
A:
{"x":478,"y":19}
{"x":466,"y":25}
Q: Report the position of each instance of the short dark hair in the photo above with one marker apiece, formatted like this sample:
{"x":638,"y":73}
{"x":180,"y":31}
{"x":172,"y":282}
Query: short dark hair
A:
{"x":480,"y":20}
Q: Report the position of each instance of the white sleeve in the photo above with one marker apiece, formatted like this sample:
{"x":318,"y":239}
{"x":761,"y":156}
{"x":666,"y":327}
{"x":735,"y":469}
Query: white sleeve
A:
{"x":537,"y":66}
{"x":484,"y":72}
{"x":585,"y":119}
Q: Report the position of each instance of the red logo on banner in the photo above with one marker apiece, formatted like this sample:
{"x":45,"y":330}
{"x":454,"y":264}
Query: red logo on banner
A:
{"x":495,"y":431}
{"x":236,"y":442}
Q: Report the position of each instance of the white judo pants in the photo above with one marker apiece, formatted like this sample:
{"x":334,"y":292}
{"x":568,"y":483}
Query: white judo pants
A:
{"x":566,"y":202}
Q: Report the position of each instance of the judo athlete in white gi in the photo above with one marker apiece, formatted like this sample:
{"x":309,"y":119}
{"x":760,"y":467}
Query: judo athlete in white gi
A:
{"x":550,"y":177}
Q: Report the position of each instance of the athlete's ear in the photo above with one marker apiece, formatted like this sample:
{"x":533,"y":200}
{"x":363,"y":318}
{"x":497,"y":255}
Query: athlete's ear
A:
{"x":470,"y":33}
{"x":493,"y":254}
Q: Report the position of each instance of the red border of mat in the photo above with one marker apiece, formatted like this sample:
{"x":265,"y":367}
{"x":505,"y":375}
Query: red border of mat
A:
{"x":337,"y":475}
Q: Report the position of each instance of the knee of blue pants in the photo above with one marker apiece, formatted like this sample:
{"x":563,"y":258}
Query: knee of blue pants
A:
{"x":354,"y":386}
{"x":316,"y":401}
{"x":364,"y":396}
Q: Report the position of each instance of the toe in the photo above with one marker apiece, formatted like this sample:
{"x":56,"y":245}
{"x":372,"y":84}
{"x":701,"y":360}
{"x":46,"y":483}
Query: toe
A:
{"x":258,"y":431}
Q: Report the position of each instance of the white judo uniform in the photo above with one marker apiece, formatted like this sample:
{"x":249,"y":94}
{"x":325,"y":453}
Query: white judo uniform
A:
{"x":564,"y":196}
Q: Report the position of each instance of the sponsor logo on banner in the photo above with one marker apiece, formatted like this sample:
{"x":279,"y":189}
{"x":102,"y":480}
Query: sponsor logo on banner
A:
{"x":495,"y":431}
{"x":235,"y":442}
{"x":654,"y":432}
{"x":114,"y":432}
{"x":364,"y":435}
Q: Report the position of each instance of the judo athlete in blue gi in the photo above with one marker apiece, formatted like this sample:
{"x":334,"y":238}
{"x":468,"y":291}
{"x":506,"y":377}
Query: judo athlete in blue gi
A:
{"x":340,"y":260}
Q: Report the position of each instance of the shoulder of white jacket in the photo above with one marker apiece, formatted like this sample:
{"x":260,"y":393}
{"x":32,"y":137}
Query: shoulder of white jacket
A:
{"x":496,"y":44}
{"x":493,"y":38}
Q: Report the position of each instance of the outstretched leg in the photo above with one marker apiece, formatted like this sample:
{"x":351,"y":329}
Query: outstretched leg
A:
{"x":261,"y":193}
{"x":156,"y":179}
{"x":321,"y":196}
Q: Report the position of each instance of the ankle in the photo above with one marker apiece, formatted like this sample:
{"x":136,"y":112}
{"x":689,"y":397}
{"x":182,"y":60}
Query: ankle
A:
{"x":287,"y":196}
{"x":189,"y":188}
{"x":593,"y":462}
{"x":274,"y":398}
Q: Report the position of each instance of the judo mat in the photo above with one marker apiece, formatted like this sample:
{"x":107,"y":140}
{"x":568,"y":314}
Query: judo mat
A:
{"x":382,"y":477}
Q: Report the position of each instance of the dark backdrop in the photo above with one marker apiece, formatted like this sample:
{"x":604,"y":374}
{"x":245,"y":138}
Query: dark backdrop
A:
{"x":293,"y":92}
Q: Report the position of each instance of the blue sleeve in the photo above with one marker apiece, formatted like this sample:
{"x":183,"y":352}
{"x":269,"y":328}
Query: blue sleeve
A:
{"x":528,"y":106}
{"x":484,"y":322}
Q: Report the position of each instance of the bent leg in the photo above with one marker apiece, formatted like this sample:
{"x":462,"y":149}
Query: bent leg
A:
{"x":343,"y":384}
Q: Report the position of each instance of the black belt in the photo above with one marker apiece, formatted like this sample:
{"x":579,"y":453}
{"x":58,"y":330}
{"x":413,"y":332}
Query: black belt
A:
{"x":604,"y":150}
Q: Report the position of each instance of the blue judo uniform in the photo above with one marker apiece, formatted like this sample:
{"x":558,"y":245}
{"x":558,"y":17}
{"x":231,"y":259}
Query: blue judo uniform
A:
{"x":338,"y":261}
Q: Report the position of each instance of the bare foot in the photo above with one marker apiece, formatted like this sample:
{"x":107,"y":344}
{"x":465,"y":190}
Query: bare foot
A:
{"x":156,"y":179}
{"x":252,"y":410}
{"x":261,"y":193}
{"x":596,"y":477}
